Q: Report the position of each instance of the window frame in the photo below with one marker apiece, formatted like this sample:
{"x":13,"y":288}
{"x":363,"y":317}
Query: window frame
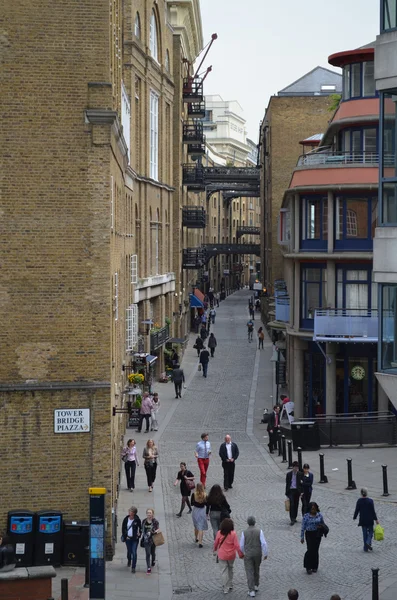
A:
{"x":347,"y":79}
{"x":137,"y":26}
{"x":381,"y":361}
{"x":306,"y":322}
{"x":349,"y":243}
{"x":321,"y":243}
{"x":383,"y":29}
{"x":153,"y":37}
{"x":384,"y":180}
{"x":344,"y":268}
{"x":154,"y":135}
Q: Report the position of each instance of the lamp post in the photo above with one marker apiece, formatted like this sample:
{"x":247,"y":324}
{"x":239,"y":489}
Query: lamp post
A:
{"x":277,"y":358}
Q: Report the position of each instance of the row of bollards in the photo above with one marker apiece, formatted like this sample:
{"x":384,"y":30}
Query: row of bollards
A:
{"x":285,"y":450}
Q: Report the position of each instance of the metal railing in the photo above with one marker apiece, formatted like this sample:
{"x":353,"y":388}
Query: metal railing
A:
{"x":159,"y":337}
{"x":345,"y":325}
{"x":333,"y":157}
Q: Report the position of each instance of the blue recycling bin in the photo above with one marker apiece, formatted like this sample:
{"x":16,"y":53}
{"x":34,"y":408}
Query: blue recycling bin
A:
{"x":48,"y":538}
{"x":20,"y":530}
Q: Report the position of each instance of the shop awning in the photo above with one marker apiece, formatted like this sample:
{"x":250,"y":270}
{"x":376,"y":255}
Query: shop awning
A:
{"x":176,"y":341}
{"x":142,"y":357}
{"x":195,"y":302}
{"x":199,"y":294}
{"x":150,"y":359}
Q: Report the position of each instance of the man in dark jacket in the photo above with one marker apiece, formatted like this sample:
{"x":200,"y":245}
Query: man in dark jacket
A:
{"x":178,"y":377}
{"x":366,"y":509}
{"x":131,"y":530}
{"x":294,"y":490}
{"x":228,"y":452}
{"x":273,"y":428}
{"x":204,"y":360}
{"x":198,"y":345}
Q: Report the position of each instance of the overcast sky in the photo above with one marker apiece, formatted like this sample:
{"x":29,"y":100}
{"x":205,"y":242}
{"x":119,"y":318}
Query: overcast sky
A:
{"x":264,"y":45}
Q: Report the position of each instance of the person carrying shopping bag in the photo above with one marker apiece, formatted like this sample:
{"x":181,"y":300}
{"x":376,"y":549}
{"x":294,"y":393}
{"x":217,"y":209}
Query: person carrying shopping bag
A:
{"x":366,"y":509}
{"x":150,"y":526}
{"x":226,"y":544}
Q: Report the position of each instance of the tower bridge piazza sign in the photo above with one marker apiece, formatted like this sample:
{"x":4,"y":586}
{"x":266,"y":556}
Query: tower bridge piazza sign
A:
{"x":72,"y":420}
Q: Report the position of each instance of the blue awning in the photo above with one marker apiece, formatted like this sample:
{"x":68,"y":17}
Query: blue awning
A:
{"x":195,"y":302}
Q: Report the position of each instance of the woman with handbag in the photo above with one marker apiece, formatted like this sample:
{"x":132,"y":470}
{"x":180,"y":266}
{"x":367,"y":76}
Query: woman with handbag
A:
{"x":150,"y":456}
{"x":150,"y":526}
{"x":131,"y":530}
{"x":313,"y":528}
{"x":130,"y":458}
{"x":227,"y":544}
{"x":198,"y":501}
{"x":218,"y":508}
{"x":186,"y":478}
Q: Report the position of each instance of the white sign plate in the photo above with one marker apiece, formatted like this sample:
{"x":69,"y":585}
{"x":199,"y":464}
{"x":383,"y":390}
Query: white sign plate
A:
{"x":20,"y":548}
{"x":72,"y":420}
{"x":49,"y":549}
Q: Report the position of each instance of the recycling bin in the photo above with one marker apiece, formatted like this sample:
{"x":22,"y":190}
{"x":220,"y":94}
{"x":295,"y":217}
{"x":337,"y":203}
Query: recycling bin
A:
{"x":75,"y":542}
{"x":305,"y":435}
{"x":48,"y":538}
{"x":20,"y":530}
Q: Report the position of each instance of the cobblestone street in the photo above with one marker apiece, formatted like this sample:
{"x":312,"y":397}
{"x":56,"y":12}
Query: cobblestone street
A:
{"x":221,"y":404}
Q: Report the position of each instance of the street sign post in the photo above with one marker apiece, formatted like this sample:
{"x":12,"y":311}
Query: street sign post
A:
{"x":97,"y":543}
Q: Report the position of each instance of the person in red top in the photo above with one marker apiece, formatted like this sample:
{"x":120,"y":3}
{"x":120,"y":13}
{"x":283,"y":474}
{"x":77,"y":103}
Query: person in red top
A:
{"x":227,"y":544}
{"x":284,"y":399}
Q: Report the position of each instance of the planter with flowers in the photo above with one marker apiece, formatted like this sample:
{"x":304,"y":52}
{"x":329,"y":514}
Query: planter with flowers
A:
{"x":136,"y":381}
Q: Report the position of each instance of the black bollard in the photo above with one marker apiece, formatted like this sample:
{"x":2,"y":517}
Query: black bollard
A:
{"x":300,"y":459}
{"x":64,"y":589}
{"x":284,"y":448}
{"x":350,"y":483}
{"x":289,"y":444}
{"x":323,"y":477}
{"x":280,"y":451}
{"x":385,"y":484}
{"x":87,"y":567}
{"x":375,"y":584}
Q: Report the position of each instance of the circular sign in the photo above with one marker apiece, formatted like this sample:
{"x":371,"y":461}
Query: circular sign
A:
{"x":358,"y":372}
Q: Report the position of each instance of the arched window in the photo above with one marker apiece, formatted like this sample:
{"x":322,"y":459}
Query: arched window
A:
{"x":351,"y":223}
{"x":153,"y":42}
{"x":167,"y":61}
{"x":137,"y":26}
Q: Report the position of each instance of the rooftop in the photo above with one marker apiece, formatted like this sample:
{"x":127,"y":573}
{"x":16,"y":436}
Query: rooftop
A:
{"x":317,"y":82}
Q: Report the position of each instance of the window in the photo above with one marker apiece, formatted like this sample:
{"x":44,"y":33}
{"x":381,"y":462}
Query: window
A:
{"x":369,"y":79}
{"x":134,"y":268}
{"x":126,"y":118}
{"x":388,"y":194}
{"x":313,"y":281}
{"x":137,"y":26}
{"x":355,"y":222}
{"x":355,"y":90}
{"x":388,"y":14}
{"x":153,"y":42}
{"x":360,"y":144}
{"x":116,"y":296}
{"x":314,"y":223}
{"x":351,"y":223}
{"x":167,"y":61}
{"x":137,"y":135}
{"x":358,"y":80}
{"x":154,"y":135}
{"x":328,"y":88}
{"x":131,"y":337}
{"x":355,"y":289}
{"x":346,"y":83}
{"x":388,"y":317}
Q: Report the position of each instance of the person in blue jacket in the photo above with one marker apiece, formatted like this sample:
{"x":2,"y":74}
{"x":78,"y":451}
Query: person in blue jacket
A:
{"x":366,"y":509}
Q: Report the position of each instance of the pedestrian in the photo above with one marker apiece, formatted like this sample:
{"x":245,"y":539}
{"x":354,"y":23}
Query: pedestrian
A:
{"x":312,"y":525}
{"x":145,"y":412}
{"x":217,"y":296}
{"x":284,"y":399}
{"x":150,"y":456}
{"x":250,"y":329}
{"x":197,"y":323}
{"x":293,"y":490}
{"x":252,"y":313}
{"x":203,"y":453}
{"x":293,"y":594}
{"x":204,"y":317}
{"x":178,"y":377}
{"x":130,"y":458}
{"x":150,"y":525}
{"x":229,"y":452}
{"x":218,"y":508}
{"x":198,"y":344}
{"x":366,"y":509}
{"x":261,"y":337}
{"x":7,"y":554}
{"x":273,"y":428}
{"x":204,"y":360}
{"x":186,"y":478}
{"x":307,"y":488}
{"x":253,"y":545}
{"x":131,"y":530}
{"x":155,"y":411}
{"x":198,"y":501}
{"x":212,"y":344}
{"x":213,"y":315}
{"x":226,"y":543}
{"x":203,"y":332}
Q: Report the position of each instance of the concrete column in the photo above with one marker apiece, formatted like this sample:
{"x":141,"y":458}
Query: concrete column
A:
{"x":296,"y":222}
{"x":296,"y":296}
{"x":383,"y":399}
{"x":331,"y":284}
{"x":289,"y":280}
{"x":330,"y":379}
{"x":330,"y":225}
{"x":298,"y":367}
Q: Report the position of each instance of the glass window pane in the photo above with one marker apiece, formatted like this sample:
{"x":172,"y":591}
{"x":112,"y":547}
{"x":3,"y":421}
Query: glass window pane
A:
{"x":356,"y":296}
{"x":374,"y":216}
{"x":357,"y":275}
{"x":370,"y":144}
{"x":369,"y":79}
{"x":389,"y":135}
{"x":313,"y":220}
{"x":389,"y":14}
{"x":312,"y":299}
{"x":311,"y":275}
{"x":389,"y":208}
{"x":389,"y":326}
{"x":346,"y":140}
{"x":356,"y":218}
{"x":356,"y":142}
{"x":346,"y":83}
{"x":356,"y":80}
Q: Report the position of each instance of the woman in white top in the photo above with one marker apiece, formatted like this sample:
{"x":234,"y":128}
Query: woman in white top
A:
{"x":154,"y":413}
{"x":130,"y":457}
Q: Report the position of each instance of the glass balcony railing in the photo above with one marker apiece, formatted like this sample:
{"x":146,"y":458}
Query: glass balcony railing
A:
{"x":345,"y":325}
{"x":335,"y":158}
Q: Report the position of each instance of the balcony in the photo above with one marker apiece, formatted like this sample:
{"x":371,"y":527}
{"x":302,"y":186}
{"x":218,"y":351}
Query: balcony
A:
{"x":193,"y":217}
{"x":216,"y":249}
{"x":247,"y":230}
{"x":193,"y":177}
{"x":193,"y":90}
{"x":345,"y":325}
{"x":193,"y":258}
{"x":192,"y":132}
{"x":334,"y":158}
{"x":159,"y":337}
{"x":231,"y":175}
{"x":197,"y":148}
{"x":196,"y":110}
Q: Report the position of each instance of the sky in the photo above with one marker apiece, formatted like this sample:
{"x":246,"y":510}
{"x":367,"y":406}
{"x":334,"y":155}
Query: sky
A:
{"x":264,"y":45}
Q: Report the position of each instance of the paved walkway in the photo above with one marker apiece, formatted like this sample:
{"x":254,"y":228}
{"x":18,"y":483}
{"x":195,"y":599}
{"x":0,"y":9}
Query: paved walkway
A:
{"x":231,"y":400}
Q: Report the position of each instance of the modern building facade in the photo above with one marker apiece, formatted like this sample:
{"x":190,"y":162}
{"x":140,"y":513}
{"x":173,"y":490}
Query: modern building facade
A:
{"x":385,"y":243}
{"x":326,"y":228}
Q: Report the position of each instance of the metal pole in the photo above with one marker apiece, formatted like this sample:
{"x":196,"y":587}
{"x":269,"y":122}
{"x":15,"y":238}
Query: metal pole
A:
{"x":64,"y":589}
{"x":350,"y":483}
{"x":300,"y":459}
{"x":284,"y":448}
{"x":375,"y":584}
{"x":323,"y":477}
{"x":289,"y":445}
{"x":385,"y":485}
{"x":87,"y":567}
{"x":280,"y":450}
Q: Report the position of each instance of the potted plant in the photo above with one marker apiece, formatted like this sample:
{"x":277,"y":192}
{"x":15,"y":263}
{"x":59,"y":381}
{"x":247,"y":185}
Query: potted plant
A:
{"x":136,"y":380}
